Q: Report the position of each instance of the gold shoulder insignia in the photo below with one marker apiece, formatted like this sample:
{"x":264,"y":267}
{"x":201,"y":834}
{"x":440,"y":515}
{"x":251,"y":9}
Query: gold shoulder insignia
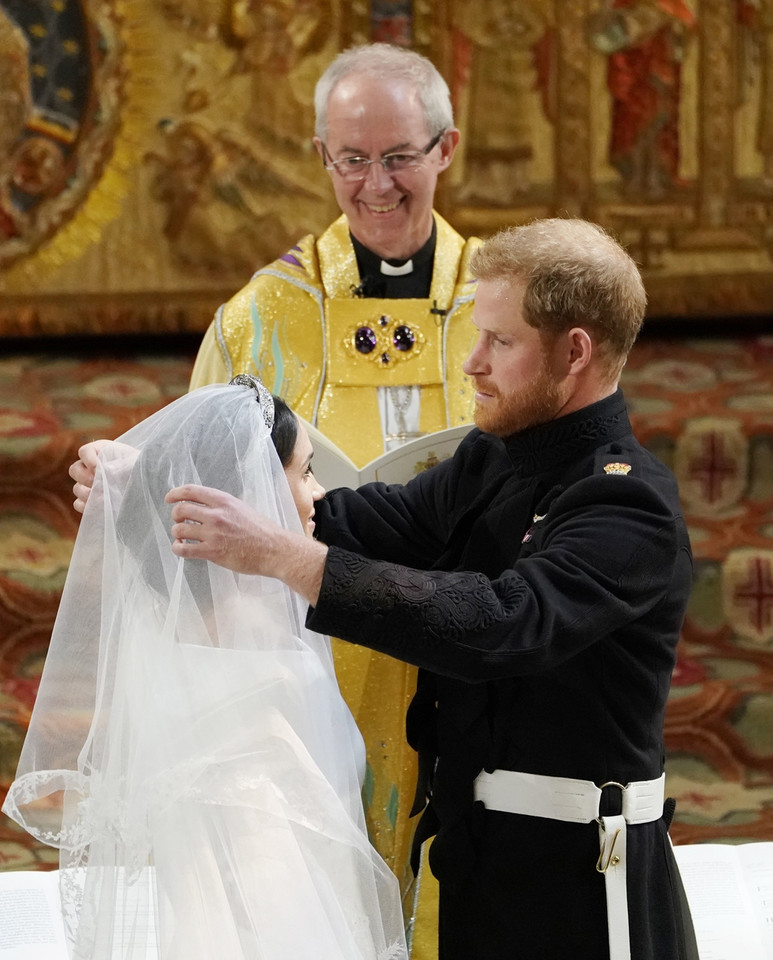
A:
{"x":619,"y":469}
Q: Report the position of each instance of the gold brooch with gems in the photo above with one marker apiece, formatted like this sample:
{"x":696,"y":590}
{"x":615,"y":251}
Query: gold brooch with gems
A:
{"x":385,"y":342}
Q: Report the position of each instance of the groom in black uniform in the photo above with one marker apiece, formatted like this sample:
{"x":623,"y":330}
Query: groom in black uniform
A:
{"x":539,"y":579}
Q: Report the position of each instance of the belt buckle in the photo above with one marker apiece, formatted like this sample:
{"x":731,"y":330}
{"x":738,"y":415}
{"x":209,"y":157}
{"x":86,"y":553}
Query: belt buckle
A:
{"x":622,"y":787}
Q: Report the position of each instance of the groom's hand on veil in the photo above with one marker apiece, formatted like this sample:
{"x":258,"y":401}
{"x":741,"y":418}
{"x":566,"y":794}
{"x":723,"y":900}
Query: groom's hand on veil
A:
{"x":210,"y":524}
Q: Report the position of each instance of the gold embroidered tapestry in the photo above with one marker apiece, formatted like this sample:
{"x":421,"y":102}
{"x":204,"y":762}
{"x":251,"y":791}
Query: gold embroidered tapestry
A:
{"x":154,"y":153}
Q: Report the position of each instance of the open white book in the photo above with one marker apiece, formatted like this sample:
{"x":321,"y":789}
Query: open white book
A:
{"x":31,"y":922}
{"x":730,"y":892}
{"x":333,"y":468}
{"x":31,"y":926}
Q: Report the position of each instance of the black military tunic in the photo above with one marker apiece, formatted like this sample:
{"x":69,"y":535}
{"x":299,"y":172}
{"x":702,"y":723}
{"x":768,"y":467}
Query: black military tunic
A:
{"x":540,"y":583}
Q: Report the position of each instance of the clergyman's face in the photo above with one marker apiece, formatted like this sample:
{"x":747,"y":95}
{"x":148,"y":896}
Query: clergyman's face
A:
{"x":304,"y":486}
{"x":390,"y":213}
{"x":510,"y":365}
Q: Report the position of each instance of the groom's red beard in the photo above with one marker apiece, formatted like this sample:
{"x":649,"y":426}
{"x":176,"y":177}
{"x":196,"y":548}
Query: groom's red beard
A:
{"x":534,"y":401}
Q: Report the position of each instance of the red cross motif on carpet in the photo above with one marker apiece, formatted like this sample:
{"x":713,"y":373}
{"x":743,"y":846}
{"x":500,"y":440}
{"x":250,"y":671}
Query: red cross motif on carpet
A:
{"x":712,"y":464}
{"x":747,"y":577}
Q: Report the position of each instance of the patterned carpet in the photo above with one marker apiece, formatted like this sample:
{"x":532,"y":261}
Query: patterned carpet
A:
{"x":50,"y":404}
{"x":705,"y":407}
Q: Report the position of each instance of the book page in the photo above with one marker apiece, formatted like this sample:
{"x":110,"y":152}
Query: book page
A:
{"x":331,"y":465}
{"x":31,"y":925}
{"x":30,"y":919}
{"x":757,"y":865}
{"x":724,"y":917}
{"x":402,"y":463}
{"x":333,"y":468}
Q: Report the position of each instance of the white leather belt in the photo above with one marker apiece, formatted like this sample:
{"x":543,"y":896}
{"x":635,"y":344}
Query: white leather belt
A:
{"x":561,"y":798}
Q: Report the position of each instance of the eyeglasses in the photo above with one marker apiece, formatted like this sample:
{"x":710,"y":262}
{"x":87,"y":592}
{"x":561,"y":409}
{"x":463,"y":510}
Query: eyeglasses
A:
{"x":356,"y":168}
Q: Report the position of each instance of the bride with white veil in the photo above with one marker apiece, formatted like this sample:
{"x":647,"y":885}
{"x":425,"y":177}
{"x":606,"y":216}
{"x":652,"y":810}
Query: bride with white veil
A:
{"x":189,"y":751}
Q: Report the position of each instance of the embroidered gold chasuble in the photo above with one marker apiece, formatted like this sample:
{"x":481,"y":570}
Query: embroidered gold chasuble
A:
{"x":295,"y":324}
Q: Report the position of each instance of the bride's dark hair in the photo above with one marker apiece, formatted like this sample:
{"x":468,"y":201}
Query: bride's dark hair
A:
{"x":284,"y":432}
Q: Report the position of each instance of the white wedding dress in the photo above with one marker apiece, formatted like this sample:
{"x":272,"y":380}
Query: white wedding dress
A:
{"x":189,"y":751}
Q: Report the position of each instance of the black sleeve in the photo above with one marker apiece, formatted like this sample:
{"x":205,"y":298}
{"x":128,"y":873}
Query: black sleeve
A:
{"x":608,"y":553}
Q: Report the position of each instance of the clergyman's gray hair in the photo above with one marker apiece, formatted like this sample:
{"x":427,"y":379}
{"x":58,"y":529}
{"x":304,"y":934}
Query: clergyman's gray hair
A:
{"x":388,"y":63}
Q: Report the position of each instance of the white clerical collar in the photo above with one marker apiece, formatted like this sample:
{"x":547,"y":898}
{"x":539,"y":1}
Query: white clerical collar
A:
{"x":390,"y":271}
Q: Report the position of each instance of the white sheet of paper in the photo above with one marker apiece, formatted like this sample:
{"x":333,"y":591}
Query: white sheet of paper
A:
{"x":730,"y":892}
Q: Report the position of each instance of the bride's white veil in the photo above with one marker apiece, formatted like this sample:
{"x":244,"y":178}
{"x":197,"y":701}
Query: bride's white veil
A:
{"x":189,"y":751}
